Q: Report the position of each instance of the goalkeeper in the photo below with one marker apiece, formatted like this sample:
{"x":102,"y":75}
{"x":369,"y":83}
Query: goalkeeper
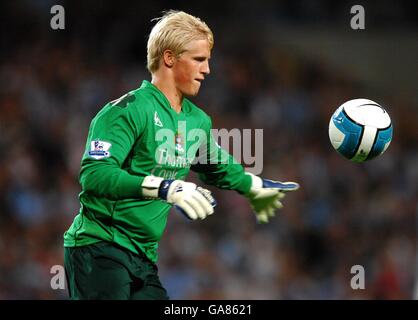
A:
{"x":138,"y":155}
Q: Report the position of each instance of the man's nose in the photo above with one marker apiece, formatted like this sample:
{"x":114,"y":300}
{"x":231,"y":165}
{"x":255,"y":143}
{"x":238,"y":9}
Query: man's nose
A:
{"x":205,"y":68}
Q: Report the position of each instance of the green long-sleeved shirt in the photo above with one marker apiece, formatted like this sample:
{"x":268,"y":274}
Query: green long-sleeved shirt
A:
{"x":132,"y":137}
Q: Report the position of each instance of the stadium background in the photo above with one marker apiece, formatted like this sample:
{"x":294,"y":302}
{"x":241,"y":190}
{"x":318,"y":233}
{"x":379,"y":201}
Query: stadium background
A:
{"x":279,"y":65}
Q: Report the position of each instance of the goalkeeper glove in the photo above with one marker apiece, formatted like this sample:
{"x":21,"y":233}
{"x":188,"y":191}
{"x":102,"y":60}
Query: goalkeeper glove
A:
{"x":265,"y":196}
{"x":193,"y":201}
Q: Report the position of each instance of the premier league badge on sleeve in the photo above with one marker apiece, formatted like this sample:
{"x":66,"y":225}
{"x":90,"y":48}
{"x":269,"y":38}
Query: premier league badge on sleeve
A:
{"x":99,"y":149}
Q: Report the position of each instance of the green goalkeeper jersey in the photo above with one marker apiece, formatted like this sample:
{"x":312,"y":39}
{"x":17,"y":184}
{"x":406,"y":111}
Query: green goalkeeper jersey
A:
{"x":135,"y":136}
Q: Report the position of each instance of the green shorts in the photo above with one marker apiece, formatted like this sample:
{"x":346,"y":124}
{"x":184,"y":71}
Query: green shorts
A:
{"x":107,"y":271}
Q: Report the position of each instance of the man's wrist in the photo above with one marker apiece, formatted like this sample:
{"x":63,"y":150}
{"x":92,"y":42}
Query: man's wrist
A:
{"x":150,"y":187}
{"x":163,"y":189}
{"x":255,"y":182}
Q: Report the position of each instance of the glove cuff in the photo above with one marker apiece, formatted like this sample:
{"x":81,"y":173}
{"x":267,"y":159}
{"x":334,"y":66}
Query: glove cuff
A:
{"x":150,"y":187}
{"x":164,"y":188}
{"x":256,"y":182}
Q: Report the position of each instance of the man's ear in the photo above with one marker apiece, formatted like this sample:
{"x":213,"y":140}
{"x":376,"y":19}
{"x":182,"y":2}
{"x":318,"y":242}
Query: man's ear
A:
{"x":168,"y":58}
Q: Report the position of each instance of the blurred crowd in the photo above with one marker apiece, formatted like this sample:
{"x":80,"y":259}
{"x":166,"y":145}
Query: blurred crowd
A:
{"x":345,"y":214}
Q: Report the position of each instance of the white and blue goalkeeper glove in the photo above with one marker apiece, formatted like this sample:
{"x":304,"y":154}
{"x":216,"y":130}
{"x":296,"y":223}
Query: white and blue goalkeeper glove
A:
{"x":265,"y":196}
{"x":193,"y":201}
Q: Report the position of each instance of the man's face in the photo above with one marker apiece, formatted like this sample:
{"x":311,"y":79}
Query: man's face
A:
{"x":191,"y":67}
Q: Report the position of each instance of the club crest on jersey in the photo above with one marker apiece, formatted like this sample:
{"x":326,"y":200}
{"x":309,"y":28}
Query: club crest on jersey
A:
{"x":157,"y":120}
{"x":179,"y":143}
{"x":99,"y":149}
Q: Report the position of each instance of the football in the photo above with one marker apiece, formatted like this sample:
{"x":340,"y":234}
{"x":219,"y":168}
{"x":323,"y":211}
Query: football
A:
{"x":360,"y":130}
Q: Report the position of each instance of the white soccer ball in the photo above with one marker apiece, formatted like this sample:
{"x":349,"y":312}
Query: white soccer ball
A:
{"x":360,"y":130}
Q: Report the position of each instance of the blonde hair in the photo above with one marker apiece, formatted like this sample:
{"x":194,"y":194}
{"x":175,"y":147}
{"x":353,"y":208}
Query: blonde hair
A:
{"x":173,"y":31}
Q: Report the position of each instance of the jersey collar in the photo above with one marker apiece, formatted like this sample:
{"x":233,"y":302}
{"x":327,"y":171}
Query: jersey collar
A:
{"x":185,"y":106}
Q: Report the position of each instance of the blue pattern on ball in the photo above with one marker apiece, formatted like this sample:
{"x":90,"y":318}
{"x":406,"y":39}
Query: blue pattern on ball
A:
{"x":383,"y":137}
{"x":352,"y":133}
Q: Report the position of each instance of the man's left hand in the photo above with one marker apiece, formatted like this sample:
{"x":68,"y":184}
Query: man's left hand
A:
{"x":265,"y":196}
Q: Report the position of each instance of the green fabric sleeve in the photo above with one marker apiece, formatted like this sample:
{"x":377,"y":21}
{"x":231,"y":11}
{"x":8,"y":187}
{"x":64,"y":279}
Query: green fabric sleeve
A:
{"x":111,"y":136}
{"x":220,"y":169}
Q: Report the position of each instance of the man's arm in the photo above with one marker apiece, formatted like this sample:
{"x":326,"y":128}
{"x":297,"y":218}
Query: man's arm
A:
{"x":220,"y":169}
{"x":215,"y":166}
{"x":111,"y":136}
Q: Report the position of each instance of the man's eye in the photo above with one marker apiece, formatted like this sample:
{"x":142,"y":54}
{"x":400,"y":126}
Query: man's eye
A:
{"x":200,"y":59}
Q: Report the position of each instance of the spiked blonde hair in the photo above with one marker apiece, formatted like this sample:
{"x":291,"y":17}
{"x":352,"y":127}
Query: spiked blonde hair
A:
{"x":173,"y":31}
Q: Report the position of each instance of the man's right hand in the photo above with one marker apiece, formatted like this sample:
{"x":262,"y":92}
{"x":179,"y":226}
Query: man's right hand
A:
{"x":193,"y":201}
